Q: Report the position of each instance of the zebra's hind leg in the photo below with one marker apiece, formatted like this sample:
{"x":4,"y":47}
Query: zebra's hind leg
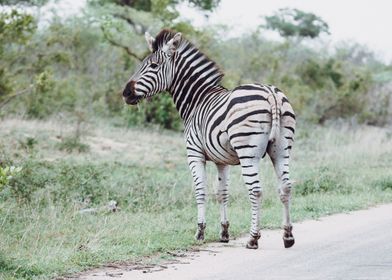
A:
{"x":285,"y":197}
{"x":280,"y":156}
{"x":199,"y":178}
{"x":250,"y":174}
{"x":223,"y":197}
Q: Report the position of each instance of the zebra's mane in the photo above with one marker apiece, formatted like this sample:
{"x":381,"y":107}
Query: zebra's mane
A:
{"x":165,"y":35}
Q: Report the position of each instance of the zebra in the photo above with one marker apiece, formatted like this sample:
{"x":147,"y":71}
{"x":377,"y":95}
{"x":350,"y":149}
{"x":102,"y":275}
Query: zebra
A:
{"x":228,"y":127}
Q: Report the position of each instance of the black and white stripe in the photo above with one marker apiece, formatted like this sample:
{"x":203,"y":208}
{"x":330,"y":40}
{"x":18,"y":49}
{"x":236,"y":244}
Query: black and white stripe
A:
{"x":227,"y":127}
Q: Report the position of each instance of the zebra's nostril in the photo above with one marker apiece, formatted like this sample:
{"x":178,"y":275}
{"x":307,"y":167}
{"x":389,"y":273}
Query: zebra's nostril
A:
{"x":129,"y":89}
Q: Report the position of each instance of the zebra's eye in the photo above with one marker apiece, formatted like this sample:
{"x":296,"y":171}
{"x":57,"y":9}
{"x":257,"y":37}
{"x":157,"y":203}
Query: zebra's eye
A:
{"x":153,"y":65}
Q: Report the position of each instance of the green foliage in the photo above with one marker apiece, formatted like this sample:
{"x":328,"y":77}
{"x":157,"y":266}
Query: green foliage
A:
{"x":28,"y":144}
{"x":207,"y":5}
{"x":318,"y":75}
{"x":69,"y":183}
{"x":39,"y":103}
{"x":150,"y":5}
{"x":6,"y":174}
{"x":321,"y":181}
{"x":123,"y":23}
{"x":74,"y":142}
{"x":83,"y":62}
{"x":17,"y":269}
{"x":5,"y":84}
{"x":384,"y":183}
{"x":71,"y":143}
{"x":82,"y":181}
{"x":159,"y":110}
{"x":338,"y":89}
{"x":294,"y":22}
{"x":24,"y":2}
{"x":16,"y":28}
{"x":320,"y":87}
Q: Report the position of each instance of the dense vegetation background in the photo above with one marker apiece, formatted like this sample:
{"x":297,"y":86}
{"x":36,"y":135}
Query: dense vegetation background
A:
{"x":69,"y":146}
{"x":80,"y":63}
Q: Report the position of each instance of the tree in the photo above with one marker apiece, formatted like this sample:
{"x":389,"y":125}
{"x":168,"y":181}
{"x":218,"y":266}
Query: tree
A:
{"x":148,"y":5}
{"x":296,"y":23}
{"x":135,"y":17}
{"x":23,"y":2}
{"x":15,"y":28}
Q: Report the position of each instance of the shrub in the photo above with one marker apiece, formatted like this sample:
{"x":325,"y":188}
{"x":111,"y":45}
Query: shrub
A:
{"x":69,"y":64}
{"x":338,"y":91}
{"x":384,"y":183}
{"x":159,"y":110}
{"x":28,"y":144}
{"x":322,"y":180}
{"x":72,"y":143}
{"x":6,"y":174}
{"x":61,"y":182}
{"x":40,"y":103}
{"x":31,"y":178}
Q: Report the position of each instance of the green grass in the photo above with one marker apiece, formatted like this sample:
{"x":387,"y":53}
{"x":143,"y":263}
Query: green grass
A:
{"x":72,"y":143}
{"x":44,"y":235}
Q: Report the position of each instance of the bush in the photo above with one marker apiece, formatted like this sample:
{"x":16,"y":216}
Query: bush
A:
{"x":72,"y":143}
{"x":159,"y":110}
{"x":61,"y":182}
{"x":6,"y":175}
{"x":321,"y":181}
{"x":40,"y":103}
{"x":69,"y":64}
{"x":23,"y":185}
{"x":70,"y":183}
{"x":338,"y":91}
{"x":384,"y":183}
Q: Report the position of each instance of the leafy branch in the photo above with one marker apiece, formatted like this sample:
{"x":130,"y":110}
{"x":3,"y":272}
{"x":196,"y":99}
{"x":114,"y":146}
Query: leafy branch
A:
{"x":12,"y":96}
{"x":128,"y":50}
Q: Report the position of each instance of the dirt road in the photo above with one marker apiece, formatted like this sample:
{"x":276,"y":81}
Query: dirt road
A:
{"x":357,"y":245}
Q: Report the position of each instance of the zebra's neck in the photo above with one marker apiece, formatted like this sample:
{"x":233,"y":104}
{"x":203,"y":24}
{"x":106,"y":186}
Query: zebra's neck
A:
{"x":196,"y":78}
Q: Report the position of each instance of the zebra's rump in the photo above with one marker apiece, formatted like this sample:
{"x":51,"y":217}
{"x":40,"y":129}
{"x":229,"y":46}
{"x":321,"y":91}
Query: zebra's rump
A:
{"x":242,"y":119}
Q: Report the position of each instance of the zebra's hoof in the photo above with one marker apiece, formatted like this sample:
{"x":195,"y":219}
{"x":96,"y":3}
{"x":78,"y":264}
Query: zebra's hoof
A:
{"x":224,"y":233}
{"x":253,"y":242}
{"x":288,"y":238}
{"x":199,"y":236}
{"x":288,"y":242}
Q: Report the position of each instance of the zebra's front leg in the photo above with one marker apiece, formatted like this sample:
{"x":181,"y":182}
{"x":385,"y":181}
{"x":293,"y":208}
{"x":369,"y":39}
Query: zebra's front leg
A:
{"x":250,"y":173}
{"x":223,"y":198}
{"x":200,"y":180}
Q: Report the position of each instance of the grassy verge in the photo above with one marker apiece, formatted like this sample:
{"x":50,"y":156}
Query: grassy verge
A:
{"x":43,"y":234}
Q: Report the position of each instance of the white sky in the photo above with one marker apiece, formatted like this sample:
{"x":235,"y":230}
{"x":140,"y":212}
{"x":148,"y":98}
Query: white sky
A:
{"x":367,"y":22}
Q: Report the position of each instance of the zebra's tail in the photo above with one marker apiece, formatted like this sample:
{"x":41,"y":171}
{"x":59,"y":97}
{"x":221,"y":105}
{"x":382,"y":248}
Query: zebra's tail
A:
{"x":275,"y":112}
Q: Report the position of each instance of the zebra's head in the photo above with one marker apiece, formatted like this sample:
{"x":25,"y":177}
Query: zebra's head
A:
{"x":155,"y":73}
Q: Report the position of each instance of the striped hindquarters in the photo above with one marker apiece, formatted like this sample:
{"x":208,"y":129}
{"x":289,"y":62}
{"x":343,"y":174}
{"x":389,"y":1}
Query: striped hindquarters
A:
{"x":261,"y":109}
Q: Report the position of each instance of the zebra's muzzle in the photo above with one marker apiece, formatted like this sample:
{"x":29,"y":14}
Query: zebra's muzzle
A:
{"x":129,"y":89}
{"x":129,"y":94}
{"x":132,"y":100}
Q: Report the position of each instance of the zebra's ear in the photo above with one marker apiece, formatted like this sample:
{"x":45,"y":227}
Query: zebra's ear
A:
{"x":150,"y":41}
{"x":173,"y":44}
